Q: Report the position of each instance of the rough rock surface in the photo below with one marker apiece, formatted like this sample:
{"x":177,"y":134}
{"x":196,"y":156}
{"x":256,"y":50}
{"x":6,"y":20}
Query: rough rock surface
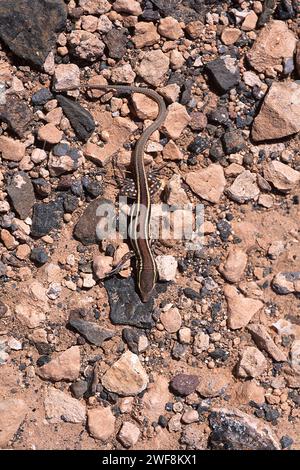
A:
{"x":21,"y":192}
{"x":280,"y":113}
{"x":29,"y":27}
{"x":232,"y":429}
{"x":101,"y":423}
{"x":265,"y":342}
{"x":208,"y":183}
{"x":59,"y":406}
{"x":12,"y":414}
{"x":66,"y":366}
{"x":240,"y":309}
{"x":126,"y":377}
{"x":274,"y":43}
{"x":82,"y":121}
{"x":282,"y":176}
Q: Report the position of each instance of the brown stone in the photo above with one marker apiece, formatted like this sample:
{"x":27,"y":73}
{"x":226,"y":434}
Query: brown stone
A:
{"x":240,"y":309}
{"x":132,"y":7}
{"x":50,"y":134}
{"x":170,"y":28}
{"x":8,"y":239}
{"x":280,"y":113}
{"x":60,"y":407}
{"x":172,"y":152}
{"x":12,"y":414}
{"x":66,"y":76}
{"x":171,"y":319}
{"x":190,"y":416}
{"x":145,"y":34}
{"x":101,"y":423}
{"x":214,"y":382}
{"x":195,"y":29}
{"x":86,"y":45}
{"x":176,"y":120}
{"x":252,"y":363}
{"x":248,"y":391}
{"x":264,"y":341}
{"x":170,"y":92}
{"x":123,"y":74}
{"x":102,"y":265}
{"x":154,"y":67}
{"x":65,"y":366}
{"x":95,"y":7}
{"x":235,"y":264}
{"x":208,"y":183}
{"x":281,"y":175}
{"x":155,"y":398}
{"x":126,"y":377}
{"x":230,"y":36}
{"x":144,"y":106}
{"x":29,"y":316}
{"x":11,"y":149}
{"x":274,"y":43}
{"x":244,"y":188}
{"x":250,"y":21}
{"x":175,"y":194}
{"x":129,"y":434}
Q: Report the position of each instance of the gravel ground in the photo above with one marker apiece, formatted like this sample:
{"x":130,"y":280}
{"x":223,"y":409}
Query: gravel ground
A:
{"x":212,"y":361}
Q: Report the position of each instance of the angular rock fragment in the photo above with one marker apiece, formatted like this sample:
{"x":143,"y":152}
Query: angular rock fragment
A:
{"x":279,"y":115}
{"x":126,"y":377}
{"x":264,"y":341}
{"x":29,"y":27}
{"x":20,"y":191}
{"x":232,"y":429}
{"x":81,"y":119}
{"x":60,"y":407}
{"x":91,"y":331}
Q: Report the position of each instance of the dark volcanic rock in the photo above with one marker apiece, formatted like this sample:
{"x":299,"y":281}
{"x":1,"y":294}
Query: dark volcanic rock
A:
{"x":70,"y":203}
{"x":224,"y":228}
{"x":191,"y":293}
{"x":219,"y":115}
{"x":85,"y":229}
{"x":78,"y":389}
{"x":126,"y":307}
{"x":59,"y":150}
{"x":182,"y":10}
{"x":198,"y":145}
{"x":234,"y":430}
{"x":286,"y":442}
{"x":91,"y":331}
{"x":131,"y":336}
{"x":41,"y":97}
{"x":46,"y":217}
{"x":184,"y":384}
{"x":16,"y":113}
{"x":233,"y":142}
{"x":20,"y":191}
{"x":116,"y":42}
{"x":81,"y":120}
{"x":39,"y":256}
{"x":42,"y":187}
{"x":222,"y":78}
{"x":29,"y":27}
